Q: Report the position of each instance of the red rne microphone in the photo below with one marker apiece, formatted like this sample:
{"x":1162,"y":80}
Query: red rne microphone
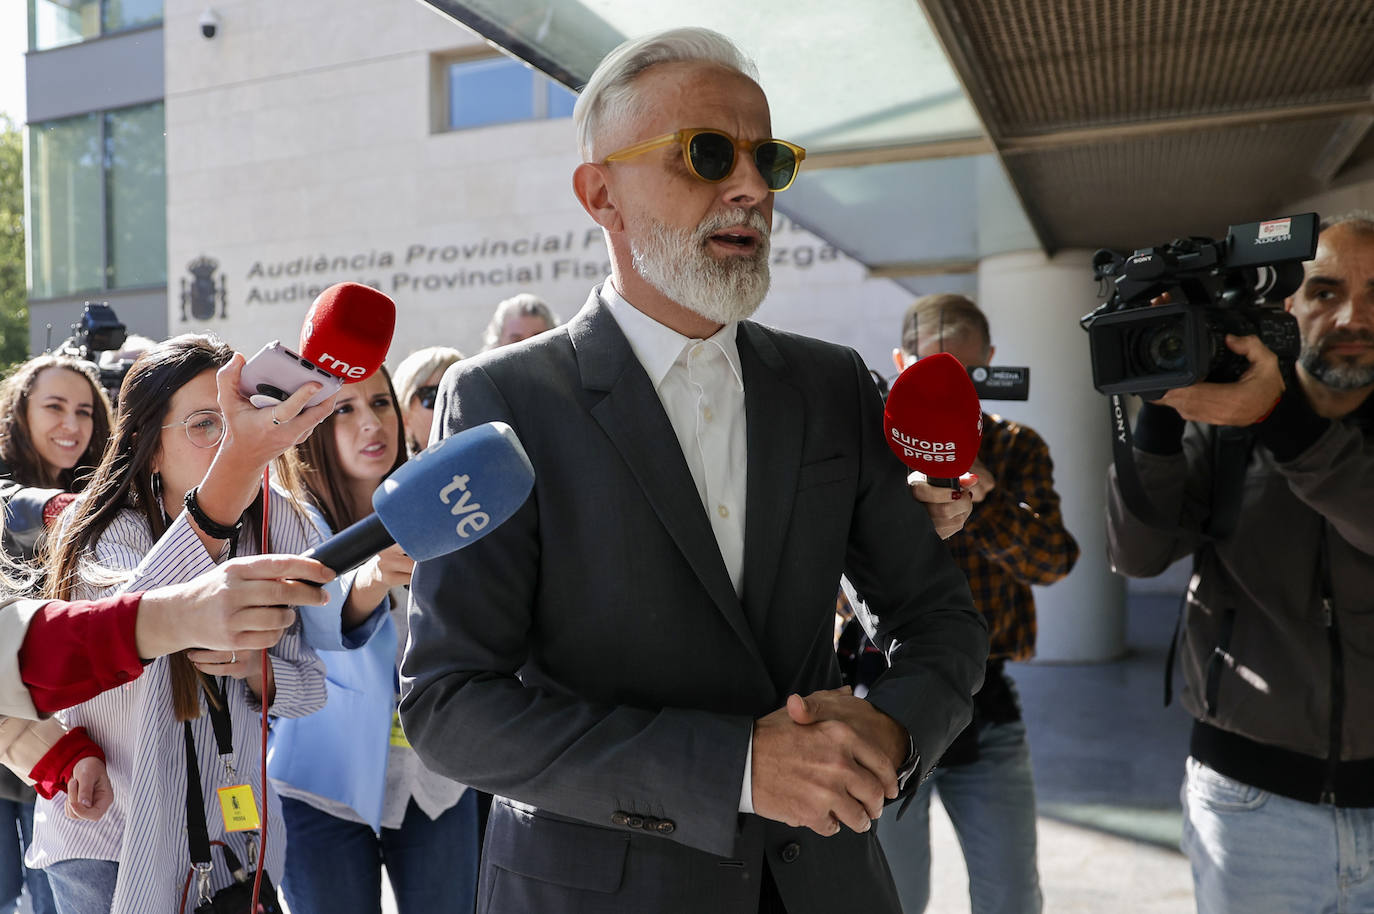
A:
{"x":348,"y":329}
{"x":933,"y":420}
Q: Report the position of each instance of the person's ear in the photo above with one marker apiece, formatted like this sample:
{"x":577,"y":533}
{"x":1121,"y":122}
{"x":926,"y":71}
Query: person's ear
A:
{"x":992,"y":352}
{"x":591,"y":184}
{"x":899,"y":359}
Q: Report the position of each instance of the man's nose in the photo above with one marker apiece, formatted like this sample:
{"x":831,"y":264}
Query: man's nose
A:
{"x":745,"y":185}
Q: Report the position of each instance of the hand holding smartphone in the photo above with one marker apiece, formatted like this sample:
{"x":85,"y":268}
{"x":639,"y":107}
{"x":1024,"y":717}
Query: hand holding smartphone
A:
{"x":274,"y":373}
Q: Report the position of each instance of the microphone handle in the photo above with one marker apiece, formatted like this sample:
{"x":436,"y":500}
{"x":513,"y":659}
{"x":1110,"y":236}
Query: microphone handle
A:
{"x":353,"y":545}
{"x":938,"y":481}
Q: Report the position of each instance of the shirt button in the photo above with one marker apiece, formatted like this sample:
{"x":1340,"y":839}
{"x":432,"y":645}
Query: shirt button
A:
{"x":722,"y":510}
{"x":707,"y":414}
{"x":791,"y":852}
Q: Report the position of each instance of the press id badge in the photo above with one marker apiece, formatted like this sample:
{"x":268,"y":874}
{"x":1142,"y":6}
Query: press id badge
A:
{"x":238,"y":807}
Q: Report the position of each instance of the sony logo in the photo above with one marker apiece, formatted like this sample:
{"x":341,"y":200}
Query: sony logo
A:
{"x":471,"y":518}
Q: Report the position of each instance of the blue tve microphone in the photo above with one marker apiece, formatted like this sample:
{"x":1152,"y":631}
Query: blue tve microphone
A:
{"x":444,"y":498}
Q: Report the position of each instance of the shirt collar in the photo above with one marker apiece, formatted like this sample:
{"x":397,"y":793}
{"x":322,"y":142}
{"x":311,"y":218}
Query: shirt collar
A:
{"x":658,"y":346}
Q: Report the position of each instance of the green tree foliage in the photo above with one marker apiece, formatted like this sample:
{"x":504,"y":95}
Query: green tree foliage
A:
{"x":14,"y":309}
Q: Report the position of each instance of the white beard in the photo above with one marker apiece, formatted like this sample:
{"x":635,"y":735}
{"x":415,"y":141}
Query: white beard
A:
{"x":675,"y":262}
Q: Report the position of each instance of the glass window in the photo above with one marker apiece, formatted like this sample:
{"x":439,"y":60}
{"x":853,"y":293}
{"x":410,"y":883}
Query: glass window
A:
{"x":126,"y":14}
{"x":484,"y":92}
{"x":65,"y":232}
{"x":53,"y":23}
{"x":97,"y":202}
{"x":136,"y":197}
{"x":561,"y":100}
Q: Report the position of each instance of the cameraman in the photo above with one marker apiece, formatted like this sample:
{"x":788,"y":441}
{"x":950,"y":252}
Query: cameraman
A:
{"x":1276,"y":642}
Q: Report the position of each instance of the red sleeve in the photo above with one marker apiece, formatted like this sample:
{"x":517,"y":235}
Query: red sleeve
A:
{"x":54,"y":770}
{"x":55,"y":506}
{"x":75,"y":651}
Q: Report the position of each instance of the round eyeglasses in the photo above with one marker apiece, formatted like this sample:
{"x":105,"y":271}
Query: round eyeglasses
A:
{"x":204,"y":427}
{"x":710,"y":155}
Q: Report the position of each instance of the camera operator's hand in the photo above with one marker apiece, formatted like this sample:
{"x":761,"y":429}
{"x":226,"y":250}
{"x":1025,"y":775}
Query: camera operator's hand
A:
{"x":1243,"y":402}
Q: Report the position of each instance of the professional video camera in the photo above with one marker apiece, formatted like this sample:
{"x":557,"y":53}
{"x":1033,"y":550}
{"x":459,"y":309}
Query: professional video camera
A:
{"x":1234,"y":286}
{"x":98,"y":330}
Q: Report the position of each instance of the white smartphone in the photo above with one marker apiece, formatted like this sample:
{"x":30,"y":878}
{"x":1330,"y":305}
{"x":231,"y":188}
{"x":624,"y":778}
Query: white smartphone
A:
{"x":274,"y":373}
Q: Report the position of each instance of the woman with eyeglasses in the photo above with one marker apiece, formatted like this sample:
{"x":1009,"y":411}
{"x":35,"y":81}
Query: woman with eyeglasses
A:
{"x":54,"y":422}
{"x":417,"y":385}
{"x":178,"y":491}
{"x":344,"y":822}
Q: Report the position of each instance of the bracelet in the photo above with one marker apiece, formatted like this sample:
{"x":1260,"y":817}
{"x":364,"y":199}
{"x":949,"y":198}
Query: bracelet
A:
{"x":203,"y":521}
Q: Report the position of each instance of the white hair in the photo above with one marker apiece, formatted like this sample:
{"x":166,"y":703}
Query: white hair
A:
{"x":524,"y":304}
{"x":609,"y":96}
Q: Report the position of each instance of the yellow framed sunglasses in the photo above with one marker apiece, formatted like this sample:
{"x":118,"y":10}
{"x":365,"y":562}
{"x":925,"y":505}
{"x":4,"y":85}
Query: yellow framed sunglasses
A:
{"x":710,"y":155}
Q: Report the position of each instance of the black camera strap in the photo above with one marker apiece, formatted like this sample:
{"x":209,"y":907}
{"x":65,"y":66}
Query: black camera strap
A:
{"x":1231,"y":449}
{"x":1230,"y":454}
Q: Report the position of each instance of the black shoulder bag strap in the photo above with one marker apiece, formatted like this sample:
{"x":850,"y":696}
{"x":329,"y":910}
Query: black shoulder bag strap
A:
{"x":1231,"y":448}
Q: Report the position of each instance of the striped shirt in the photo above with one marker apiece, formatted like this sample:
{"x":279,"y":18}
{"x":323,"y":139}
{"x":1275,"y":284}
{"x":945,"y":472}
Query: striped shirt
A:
{"x":145,"y":827}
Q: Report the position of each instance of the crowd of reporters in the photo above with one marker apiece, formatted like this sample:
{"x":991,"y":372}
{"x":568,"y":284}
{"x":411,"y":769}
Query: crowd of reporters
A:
{"x":120,"y":590}
{"x":146,"y":632}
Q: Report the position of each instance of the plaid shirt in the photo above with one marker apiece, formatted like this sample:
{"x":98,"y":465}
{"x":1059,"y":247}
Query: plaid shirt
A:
{"x":1015,"y":536}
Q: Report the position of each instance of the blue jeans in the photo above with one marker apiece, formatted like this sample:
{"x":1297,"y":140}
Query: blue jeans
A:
{"x":1260,"y":853}
{"x":83,"y":886}
{"x":335,"y":866}
{"x":16,"y":833}
{"x":992,"y":804}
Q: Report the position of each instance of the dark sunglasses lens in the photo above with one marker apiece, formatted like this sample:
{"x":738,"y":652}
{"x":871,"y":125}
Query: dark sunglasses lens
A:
{"x":712,"y":155}
{"x":777,"y":164}
{"x":427,"y":396}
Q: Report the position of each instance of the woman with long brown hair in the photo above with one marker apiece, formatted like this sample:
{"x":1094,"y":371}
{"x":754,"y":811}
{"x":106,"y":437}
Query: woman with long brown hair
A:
{"x":384,"y":807}
{"x":177,"y":491}
{"x":54,"y":423}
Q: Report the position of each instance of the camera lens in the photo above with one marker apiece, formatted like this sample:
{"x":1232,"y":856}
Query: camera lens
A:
{"x":272,"y":391}
{"x":1162,"y":348}
{"x":1167,"y":350}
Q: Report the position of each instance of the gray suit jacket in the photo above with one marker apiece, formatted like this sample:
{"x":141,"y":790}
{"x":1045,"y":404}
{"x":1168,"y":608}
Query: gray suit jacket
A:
{"x":590,"y":663}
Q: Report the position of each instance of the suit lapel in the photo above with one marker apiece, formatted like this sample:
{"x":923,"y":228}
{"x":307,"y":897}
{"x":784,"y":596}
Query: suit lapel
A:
{"x":774,"y":413}
{"x":632,"y":416}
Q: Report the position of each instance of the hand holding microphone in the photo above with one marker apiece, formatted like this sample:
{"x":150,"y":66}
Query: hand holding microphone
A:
{"x":934,"y":424}
{"x":344,"y":339}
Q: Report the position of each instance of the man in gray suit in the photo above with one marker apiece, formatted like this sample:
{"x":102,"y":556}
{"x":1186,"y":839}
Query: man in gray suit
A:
{"x":639,"y":663}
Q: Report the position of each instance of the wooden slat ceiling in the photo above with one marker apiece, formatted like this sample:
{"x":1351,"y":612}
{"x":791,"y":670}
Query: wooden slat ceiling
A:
{"x":1128,"y":122}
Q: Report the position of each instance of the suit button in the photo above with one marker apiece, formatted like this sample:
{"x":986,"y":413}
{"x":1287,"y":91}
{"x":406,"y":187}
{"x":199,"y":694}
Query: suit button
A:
{"x":666,"y":827}
{"x":636,"y":822}
{"x":620,"y":818}
{"x":791,"y":852}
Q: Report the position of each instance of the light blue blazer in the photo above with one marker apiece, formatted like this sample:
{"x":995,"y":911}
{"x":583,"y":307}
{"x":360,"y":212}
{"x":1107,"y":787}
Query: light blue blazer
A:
{"x":340,"y":752}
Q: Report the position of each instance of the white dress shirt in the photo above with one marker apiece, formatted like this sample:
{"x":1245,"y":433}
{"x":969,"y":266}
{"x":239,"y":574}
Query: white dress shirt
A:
{"x":701,"y":386}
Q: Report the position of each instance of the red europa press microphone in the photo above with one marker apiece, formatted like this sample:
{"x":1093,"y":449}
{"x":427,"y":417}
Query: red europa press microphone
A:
{"x":348,"y":329}
{"x":933,"y":421}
